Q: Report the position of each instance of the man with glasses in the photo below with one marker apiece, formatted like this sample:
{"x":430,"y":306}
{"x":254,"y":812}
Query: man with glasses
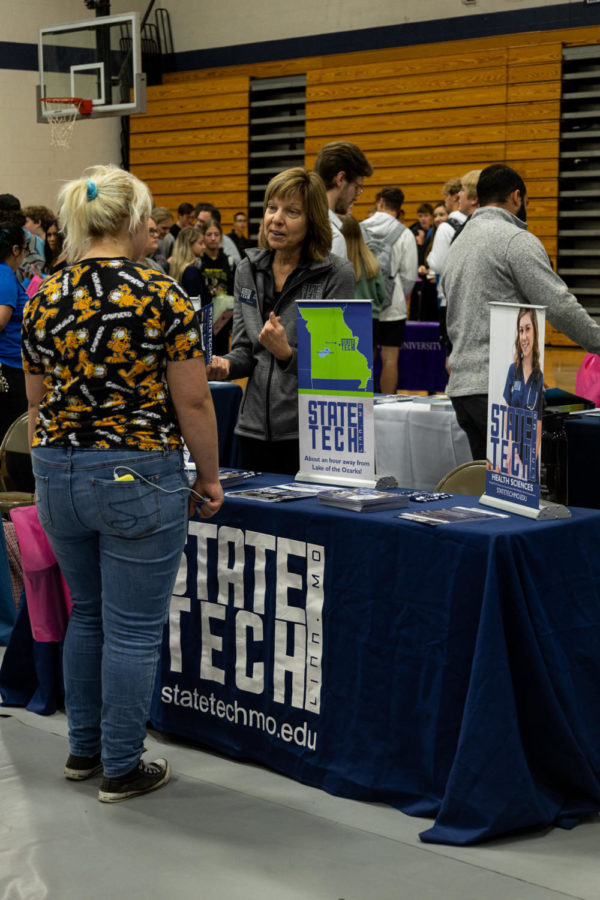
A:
{"x":343,"y":167}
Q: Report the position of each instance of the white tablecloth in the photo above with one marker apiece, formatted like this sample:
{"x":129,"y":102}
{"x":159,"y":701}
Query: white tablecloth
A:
{"x":418,"y":444}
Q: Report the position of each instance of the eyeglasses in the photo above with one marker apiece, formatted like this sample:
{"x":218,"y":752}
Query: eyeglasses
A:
{"x":358,"y":188}
{"x":153,"y":231}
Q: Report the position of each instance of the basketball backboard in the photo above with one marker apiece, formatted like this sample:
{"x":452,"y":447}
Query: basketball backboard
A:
{"x":98,"y":60}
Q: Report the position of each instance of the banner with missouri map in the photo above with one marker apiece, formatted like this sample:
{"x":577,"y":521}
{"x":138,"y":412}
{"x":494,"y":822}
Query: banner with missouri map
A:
{"x":335,"y":391}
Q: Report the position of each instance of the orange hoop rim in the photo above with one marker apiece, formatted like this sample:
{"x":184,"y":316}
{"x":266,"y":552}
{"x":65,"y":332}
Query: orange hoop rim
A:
{"x":84,"y":107}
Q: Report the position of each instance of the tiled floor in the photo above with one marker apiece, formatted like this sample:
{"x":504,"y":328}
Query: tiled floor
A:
{"x":226,"y":830}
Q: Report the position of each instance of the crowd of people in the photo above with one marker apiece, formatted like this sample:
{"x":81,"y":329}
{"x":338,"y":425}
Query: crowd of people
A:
{"x":100,"y":341}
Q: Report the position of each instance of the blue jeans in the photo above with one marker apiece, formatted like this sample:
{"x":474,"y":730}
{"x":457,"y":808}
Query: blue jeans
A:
{"x":118,"y":544}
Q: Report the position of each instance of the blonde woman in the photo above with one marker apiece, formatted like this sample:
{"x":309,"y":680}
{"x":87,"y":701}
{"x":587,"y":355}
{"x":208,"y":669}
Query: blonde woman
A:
{"x":115,"y":378}
{"x":187,"y":250}
{"x":369,"y":280}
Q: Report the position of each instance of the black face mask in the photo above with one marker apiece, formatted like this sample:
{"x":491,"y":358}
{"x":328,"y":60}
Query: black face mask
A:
{"x":522,"y":212}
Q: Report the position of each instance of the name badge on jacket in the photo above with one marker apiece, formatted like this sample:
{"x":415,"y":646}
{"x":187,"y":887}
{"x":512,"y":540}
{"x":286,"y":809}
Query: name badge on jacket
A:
{"x":247,"y":295}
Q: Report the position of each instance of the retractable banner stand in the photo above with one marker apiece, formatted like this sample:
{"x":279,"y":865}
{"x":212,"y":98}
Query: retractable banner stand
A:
{"x":335,"y":392}
{"x":515,"y":405}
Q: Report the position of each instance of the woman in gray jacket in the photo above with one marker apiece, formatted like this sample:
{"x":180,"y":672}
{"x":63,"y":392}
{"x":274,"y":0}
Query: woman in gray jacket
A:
{"x":293,"y":262}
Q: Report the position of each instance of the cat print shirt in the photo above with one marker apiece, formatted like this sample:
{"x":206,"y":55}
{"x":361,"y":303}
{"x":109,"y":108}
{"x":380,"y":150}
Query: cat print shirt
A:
{"x":101,"y":332}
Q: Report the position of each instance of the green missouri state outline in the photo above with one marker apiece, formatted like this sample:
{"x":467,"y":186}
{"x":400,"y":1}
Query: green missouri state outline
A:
{"x":334,"y":358}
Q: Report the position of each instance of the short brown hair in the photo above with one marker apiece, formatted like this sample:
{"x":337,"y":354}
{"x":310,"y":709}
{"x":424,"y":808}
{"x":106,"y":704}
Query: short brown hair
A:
{"x":308,"y":186}
{"x":161,"y":214}
{"x":342,"y":156}
{"x":40,"y":214}
{"x":451,"y":188}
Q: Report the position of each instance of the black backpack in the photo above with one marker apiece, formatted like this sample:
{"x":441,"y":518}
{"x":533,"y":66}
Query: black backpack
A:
{"x":458,"y":227}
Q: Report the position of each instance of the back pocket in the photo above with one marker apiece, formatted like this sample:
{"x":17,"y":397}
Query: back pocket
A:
{"x":128,"y":508}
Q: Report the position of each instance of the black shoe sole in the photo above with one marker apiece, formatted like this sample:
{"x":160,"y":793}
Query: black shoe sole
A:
{"x":82,"y":774}
{"x":125,"y":794}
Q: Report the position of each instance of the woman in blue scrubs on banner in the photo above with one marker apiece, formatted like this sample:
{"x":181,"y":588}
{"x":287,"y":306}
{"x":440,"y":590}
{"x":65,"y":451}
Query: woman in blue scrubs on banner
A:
{"x":524,"y":388}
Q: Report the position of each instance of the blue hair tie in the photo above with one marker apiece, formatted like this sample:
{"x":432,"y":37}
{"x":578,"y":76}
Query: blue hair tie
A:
{"x":92,"y":190}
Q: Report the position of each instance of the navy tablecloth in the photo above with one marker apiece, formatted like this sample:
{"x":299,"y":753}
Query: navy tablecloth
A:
{"x":453,"y":672}
{"x":227,"y":398}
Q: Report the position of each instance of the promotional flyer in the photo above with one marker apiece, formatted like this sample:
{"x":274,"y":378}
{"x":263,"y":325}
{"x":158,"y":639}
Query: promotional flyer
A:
{"x":515,"y":403}
{"x":335,"y":390}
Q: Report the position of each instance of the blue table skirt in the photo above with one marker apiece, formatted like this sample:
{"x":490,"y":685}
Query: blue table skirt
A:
{"x":227,"y":397}
{"x":460,"y":664}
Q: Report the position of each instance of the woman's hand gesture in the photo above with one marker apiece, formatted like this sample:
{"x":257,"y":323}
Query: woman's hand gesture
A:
{"x":274,"y":338}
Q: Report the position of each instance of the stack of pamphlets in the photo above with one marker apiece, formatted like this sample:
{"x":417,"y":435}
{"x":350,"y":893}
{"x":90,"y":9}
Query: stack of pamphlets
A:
{"x":278,"y":493}
{"x":363,"y":499}
{"x":451,"y":515}
{"x":231,"y":477}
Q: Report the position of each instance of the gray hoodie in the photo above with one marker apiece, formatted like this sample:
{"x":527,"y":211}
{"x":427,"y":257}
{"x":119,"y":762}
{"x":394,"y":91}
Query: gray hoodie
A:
{"x":404,"y":262}
{"x":269,"y":409}
{"x":496,"y":258}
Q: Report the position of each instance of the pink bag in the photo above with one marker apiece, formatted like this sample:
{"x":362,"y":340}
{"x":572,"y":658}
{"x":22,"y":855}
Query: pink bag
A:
{"x":32,"y":288}
{"x":48,"y":597}
{"x":587,"y":381}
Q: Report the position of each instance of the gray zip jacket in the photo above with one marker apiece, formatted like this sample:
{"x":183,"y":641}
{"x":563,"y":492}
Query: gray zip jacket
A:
{"x":269,"y":410}
{"x":496,"y":258}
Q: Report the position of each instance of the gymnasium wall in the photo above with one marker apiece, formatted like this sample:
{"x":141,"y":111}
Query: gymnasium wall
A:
{"x":32,"y":170}
{"x":422,"y":114}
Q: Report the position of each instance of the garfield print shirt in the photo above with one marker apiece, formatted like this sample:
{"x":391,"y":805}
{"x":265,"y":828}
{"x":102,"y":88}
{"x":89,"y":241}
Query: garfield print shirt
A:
{"x":102,"y":332}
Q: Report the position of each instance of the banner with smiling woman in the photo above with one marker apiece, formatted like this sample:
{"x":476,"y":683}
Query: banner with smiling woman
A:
{"x":515,"y":404}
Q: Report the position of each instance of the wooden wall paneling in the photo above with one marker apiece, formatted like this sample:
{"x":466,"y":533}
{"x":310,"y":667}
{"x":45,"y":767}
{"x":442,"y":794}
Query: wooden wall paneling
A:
{"x":532,"y":112}
{"x":197,"y":120}
{"x":207,"y":87}
{"x":175,"y":169}
{"x":470,"y":117}
{"x":525,"y":150}
{"x":529,"y":74}
{"x":533,"y":131}
{"x":536,"y":168}
{"x":197,"y":151}
{"x":450,"y":64}
{"x":537,"y":91}
{"x":540,"y":45}
{"x":183,"y":137}
{"x":447,"y":154}
{"x":190,"y":105}
{"x":192,"y":144}
{"x":432,"y":134}
{"x":480,"y":101}
{"x":198,"y":186}
{"x":537,"y":51}
{"x":423,"y":83}
{"x":433,"y":102}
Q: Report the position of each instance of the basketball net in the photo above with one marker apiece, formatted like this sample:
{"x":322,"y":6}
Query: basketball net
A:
{"x":61,"y":113}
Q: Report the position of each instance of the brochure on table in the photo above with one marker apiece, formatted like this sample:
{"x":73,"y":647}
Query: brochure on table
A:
{"x":335,"y":392}
{"x":515,"y":404}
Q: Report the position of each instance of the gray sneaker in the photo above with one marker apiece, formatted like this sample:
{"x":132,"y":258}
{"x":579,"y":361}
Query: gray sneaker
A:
{"x":80,"y":768}
{"x":144,"y":778}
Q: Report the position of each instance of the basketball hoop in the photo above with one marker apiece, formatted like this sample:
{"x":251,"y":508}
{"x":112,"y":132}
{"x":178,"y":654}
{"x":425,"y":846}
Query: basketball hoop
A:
{"x":61,"y":113}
